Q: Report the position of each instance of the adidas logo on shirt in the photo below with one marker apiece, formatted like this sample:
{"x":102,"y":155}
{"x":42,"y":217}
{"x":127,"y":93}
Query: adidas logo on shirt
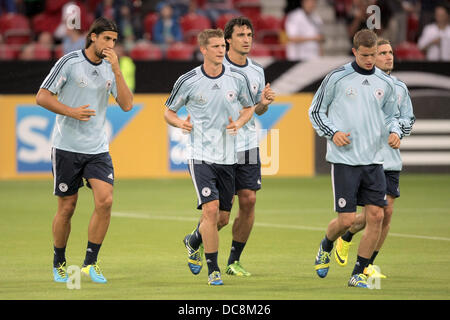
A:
{"x":366,"y":83}
{"x":215,"y":87}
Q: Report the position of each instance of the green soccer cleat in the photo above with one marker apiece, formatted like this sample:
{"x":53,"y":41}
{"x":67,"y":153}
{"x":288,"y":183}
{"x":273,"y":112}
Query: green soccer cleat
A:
{"x":215,"y":279}
{"x":236,"y":269}
{"x":341,"y":252}
{"x":94,"y":272}
{"x":60,"y":273}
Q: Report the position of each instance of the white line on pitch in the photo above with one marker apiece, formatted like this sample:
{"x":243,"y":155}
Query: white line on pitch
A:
{"x":260,"y":224}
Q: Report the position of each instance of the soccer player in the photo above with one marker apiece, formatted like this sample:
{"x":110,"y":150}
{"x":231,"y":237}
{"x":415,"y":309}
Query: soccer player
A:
{"x":392,"y":165}
{"x":238,"y":37}
{"x":209,"y":92}
{"x":83,"y":81}
{"x":353,"y":107}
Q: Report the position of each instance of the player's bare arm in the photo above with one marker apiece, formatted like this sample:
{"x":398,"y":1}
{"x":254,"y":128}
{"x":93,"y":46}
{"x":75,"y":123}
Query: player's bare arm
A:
{"x":48,"y":100}
{"x":267,"y":97}
{"x":124,"y":94}
{"x":172,"y":118}
{"x":244,"y":116}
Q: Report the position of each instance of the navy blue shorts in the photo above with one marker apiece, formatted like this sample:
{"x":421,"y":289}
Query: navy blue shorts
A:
{"x":69,"y":169}
{"x":213,"y":181}
{"x":248,"y":170}
{"x":392,"y":183}
{"x":358,"y":186}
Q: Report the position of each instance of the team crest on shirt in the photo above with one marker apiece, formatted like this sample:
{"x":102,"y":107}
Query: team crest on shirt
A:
{"x":82,"y":82}
{"x":231,"y":96}
{"x":108,"y":84}
{"x":351,"y":92}
{"x":379,"y":93}
{"x":200,"y":99}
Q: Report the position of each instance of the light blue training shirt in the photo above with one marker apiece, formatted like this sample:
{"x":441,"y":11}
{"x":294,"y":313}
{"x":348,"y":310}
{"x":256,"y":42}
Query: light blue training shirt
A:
{"x":77,"y":81}
{"x":360,"y":102}
{"x":392,"y":158}
{"x":210,"y":101}
{"x":247,"y":137}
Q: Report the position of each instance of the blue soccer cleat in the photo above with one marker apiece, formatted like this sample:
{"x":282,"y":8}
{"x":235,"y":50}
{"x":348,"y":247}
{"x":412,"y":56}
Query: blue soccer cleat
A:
{"x":94,"y":272}
{"x":194,"y":256}
{"x":358,"y":280}
{"x":215,"y":279}
{"x":60,"y":273}
{"x":322,"y":262}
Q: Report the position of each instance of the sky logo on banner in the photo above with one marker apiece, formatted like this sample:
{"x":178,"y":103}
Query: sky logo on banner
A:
{"x":34,"y":127}
{"x":178,"y":141}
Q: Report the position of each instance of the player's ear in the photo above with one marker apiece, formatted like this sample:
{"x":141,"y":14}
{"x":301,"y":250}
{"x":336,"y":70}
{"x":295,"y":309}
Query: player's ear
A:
{"x":354,"y":51}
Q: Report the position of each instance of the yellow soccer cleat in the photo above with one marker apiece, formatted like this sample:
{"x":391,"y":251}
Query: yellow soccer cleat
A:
{"x":373,"y":271}
{"x":341,"y":252}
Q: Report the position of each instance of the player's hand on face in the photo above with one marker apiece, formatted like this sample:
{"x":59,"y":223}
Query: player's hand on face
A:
{"x":186,"y":125}
{"x":83,"y":113}
{"x":394,"y":141}
{"x":341,"y":138}
{"x":111,"y":57}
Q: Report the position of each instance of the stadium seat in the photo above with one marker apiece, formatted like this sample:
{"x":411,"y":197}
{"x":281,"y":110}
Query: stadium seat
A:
{"x":223,"y":19}
{"x":42,"y":52}
{"x":180,"y":51}
{"x":149,"y":21}
{"x":15,"y":28}
{"x":44,"y":22}
{"x":144,"y":50}
{"x":7,"y":52}
{"x":58,"y":51}
{"x":260,"y":50}
{"x":192,"y":24}
{"x":268,"y":29}
{"x":408,"y":51}
{"x":249,"y":8}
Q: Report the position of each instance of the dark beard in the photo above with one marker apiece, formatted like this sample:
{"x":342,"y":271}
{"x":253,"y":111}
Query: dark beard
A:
{"x":99,"y":54}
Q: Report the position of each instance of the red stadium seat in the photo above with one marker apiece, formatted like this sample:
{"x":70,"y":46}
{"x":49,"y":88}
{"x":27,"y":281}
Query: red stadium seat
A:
{"x":180,"y":51}
{"x":223,"y":19}
{"x":42,"y":52}
{"x":44,"y":22}
{"x":15,"y":28}
{"x":408,"y":51}
{"x":146,"y":51}
{"x":58,"y":51}
{"x":7,"y":52}
{"x":260,"y":50}
{"x":192,"y":24}
{"x":249,"y":8}
{"x":149,"y":21}
{"x":268,"y":29}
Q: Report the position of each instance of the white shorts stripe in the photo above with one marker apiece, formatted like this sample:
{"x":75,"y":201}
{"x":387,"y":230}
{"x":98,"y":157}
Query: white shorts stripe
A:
{"x":54,"y":168}
{"x":191,"y":168}
{"x":332,"y":184}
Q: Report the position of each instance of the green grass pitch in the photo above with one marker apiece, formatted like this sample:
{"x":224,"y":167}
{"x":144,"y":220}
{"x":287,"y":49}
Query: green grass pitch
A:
{"x":143,"y":256}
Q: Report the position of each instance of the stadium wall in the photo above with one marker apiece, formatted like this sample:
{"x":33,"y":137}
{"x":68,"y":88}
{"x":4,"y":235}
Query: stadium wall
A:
{"x":427,"y":150}
{"x":142,"y":145}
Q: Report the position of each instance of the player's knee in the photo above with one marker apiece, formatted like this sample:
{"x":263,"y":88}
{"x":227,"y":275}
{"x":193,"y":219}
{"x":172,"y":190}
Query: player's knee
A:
{"x":346,"y":220}
{"x":223,"y":221}
{"x":66,"y":208}
{"x":104,"y":204}
{"x":247,"y":201}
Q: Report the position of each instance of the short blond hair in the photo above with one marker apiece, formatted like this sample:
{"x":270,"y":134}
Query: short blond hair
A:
{"x":204,"y":36}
